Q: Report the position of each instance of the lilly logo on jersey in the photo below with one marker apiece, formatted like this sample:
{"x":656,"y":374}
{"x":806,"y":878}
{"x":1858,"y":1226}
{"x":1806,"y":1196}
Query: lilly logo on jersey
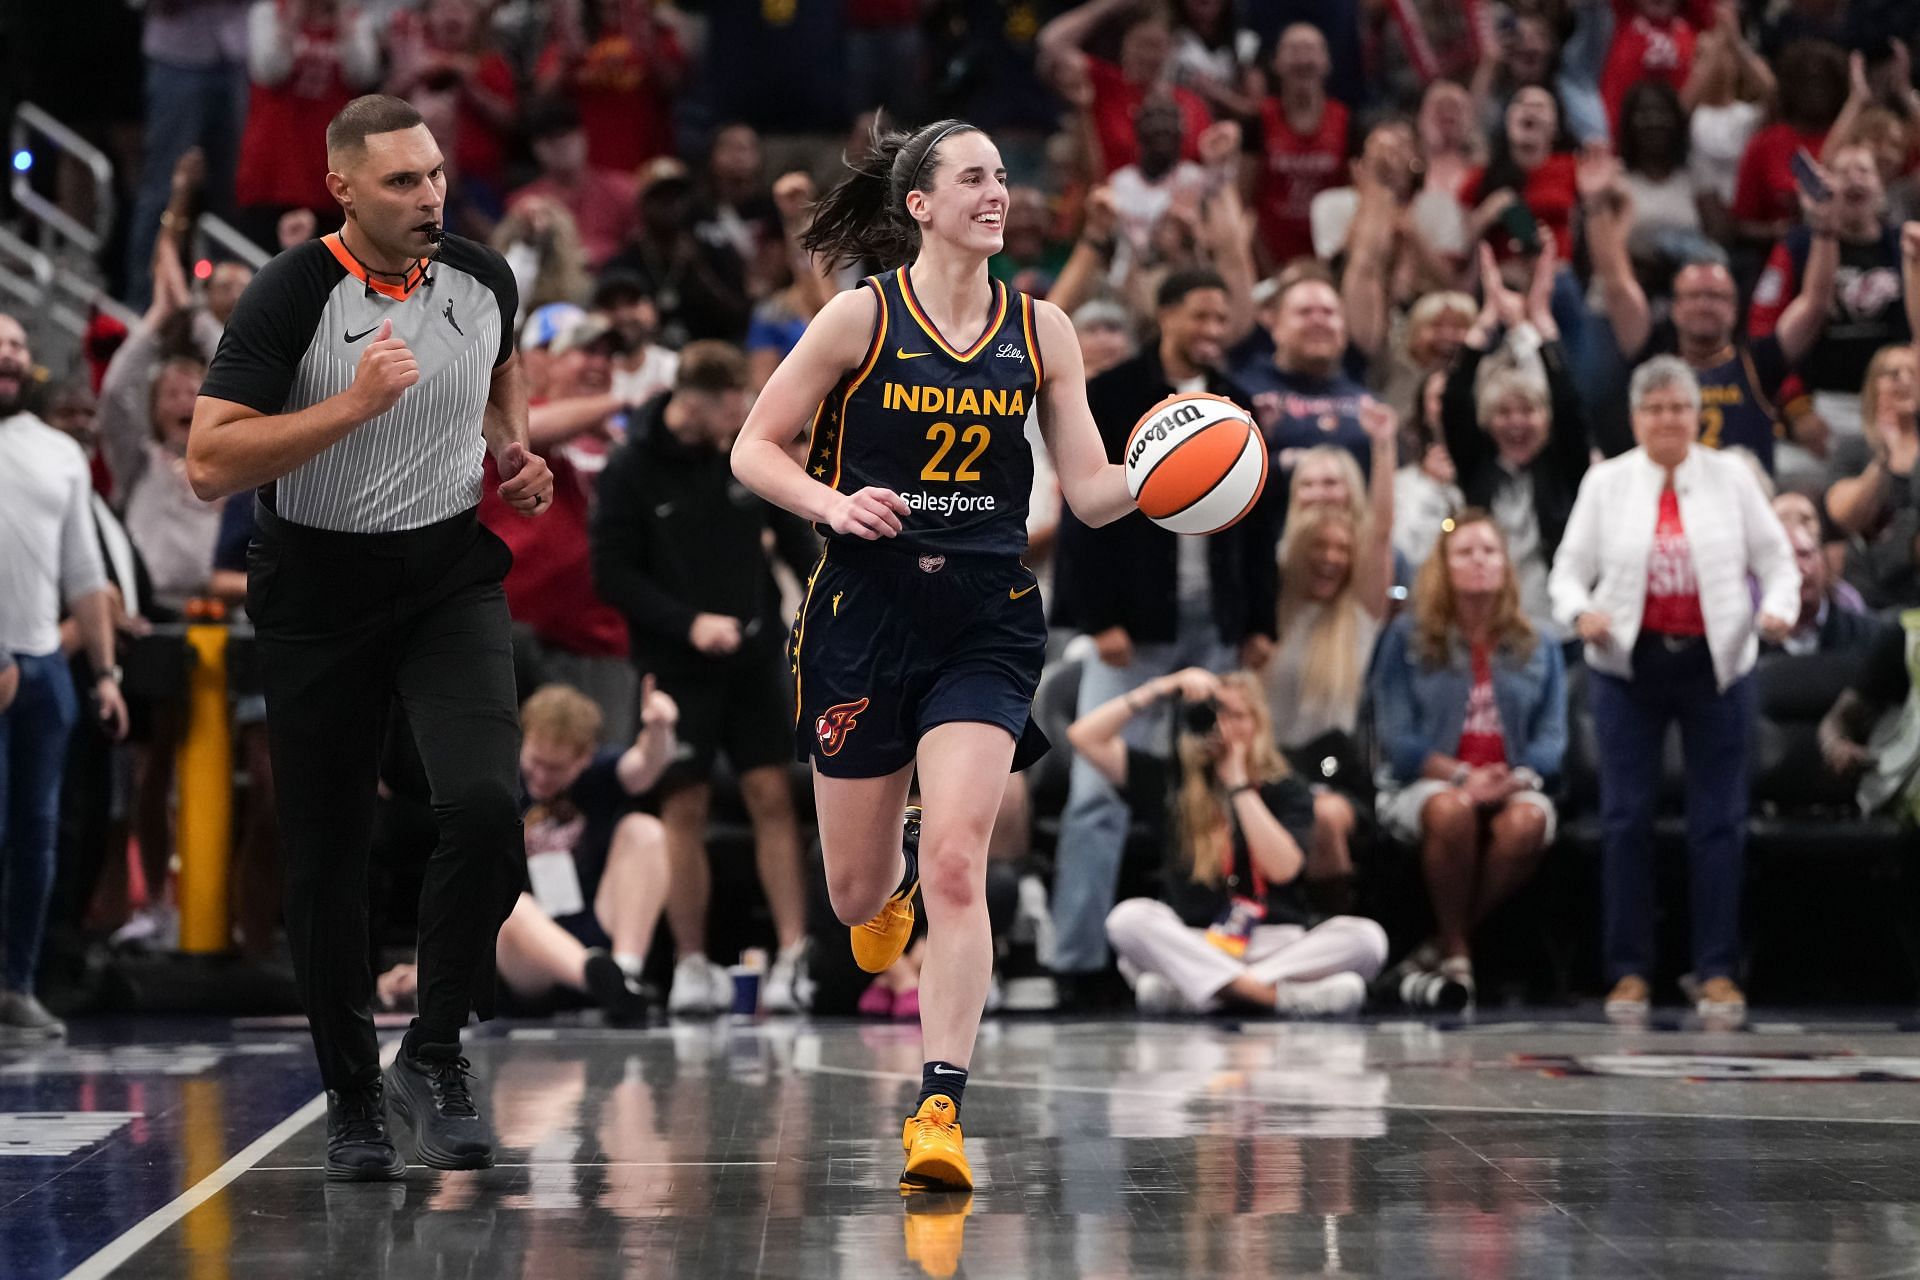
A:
{"x":1010,"y":351}
{"x":1160,"y":428}
{"x":835,"y":723}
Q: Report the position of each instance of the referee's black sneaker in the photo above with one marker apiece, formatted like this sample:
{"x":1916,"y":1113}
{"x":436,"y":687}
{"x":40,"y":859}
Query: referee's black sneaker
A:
{"x":429,"y":1091}
{"x":358,"y":1148}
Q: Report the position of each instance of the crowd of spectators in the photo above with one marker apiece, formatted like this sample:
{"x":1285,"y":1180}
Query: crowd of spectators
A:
{"x":1580,"y":333}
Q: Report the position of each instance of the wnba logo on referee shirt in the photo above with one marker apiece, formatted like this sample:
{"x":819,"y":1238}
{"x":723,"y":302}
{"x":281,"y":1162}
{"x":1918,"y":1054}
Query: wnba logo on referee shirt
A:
{"x":835,"y":723}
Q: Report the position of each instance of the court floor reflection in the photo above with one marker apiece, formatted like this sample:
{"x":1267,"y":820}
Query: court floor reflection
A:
{"x":1121,"y":1149}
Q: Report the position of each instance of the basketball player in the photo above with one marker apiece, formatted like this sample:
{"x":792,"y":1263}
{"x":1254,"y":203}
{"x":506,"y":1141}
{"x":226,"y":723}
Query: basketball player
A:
{"x":921,"y":637}
{"x":359,"y":384}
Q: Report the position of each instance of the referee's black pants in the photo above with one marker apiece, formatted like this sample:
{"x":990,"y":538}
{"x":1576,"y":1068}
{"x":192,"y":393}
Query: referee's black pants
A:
{"x":346,"y":623}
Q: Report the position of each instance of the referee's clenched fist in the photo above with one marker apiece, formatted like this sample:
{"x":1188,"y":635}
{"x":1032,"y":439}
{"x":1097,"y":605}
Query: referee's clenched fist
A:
{"x":386,"y":369}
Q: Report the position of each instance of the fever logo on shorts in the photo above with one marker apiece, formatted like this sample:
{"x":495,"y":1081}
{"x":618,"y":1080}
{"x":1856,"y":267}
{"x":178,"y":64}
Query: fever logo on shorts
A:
{"x":835,"y":723}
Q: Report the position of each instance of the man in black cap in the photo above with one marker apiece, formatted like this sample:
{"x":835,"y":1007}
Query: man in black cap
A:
{"x":645,"y":368}
{"x":699,"y":288}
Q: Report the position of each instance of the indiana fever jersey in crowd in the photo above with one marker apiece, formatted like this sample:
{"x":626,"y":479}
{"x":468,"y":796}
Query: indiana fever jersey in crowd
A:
{"x":296,"y":338}
{"x":941,"y":425}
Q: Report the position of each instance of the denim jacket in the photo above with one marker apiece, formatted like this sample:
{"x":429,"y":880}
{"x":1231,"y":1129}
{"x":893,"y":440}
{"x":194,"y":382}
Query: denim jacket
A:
{"x":1419,"y":710}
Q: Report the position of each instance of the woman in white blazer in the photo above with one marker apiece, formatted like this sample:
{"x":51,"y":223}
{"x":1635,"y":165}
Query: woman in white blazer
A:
{"x":1653,"y":575}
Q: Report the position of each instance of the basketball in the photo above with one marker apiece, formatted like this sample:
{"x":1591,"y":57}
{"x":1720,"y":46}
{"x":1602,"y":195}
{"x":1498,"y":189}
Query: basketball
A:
{"x":1196,"y":463}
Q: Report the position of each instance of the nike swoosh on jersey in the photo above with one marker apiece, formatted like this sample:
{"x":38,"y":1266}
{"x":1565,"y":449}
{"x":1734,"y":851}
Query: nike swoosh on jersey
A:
{"x":901,"y":353}
{"x":355,"y":337}
{"x":1015,"y":595}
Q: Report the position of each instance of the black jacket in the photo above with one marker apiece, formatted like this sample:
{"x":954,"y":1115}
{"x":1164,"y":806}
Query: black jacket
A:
{"x":1558,"y":468}
{"x":674,"y":535}
{"x":1126,"y":573}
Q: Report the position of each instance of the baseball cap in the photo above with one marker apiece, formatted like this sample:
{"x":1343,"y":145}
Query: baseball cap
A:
{"x":584,"y":332}
{"x":547,"y":323}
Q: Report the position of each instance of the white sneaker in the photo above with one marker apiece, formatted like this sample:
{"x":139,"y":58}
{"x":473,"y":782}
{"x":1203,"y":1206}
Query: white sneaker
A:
{"x":22,"y":1017}
{"x":781,"y":992}
{"x":694,"y":993}
{"x":1331,"y":996}
{"x":1154,"y":995}
{"x":153,"y":928}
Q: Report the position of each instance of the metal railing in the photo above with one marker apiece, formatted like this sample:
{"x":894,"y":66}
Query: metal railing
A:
{"x":31,"y":123}
{"x":209,"y":230}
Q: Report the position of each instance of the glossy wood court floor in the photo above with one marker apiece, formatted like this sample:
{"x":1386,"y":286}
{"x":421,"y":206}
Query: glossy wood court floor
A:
{"x":1557,"y":1146}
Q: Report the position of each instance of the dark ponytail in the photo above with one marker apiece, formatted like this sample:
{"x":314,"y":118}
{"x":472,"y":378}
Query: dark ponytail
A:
{"x":865,"y":217}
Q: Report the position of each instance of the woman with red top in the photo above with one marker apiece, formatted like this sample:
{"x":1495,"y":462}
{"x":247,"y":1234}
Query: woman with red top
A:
{"x":308,"y":58}
{"x":1812,"y":75}
{"x":1109,"y":94}
{"x":620,"y":64}
{"x":1531,"y":167}
{"x":1471,"y":709}
{"x":1298,"y":146}
{"x":444,"y":51}
{"x":1652,"y":572}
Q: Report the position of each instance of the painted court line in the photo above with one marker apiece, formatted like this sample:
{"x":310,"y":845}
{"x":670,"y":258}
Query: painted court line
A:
{"x":148,"y":1229}
{"x":562,"y":1164}
{"x":978,"y":1082}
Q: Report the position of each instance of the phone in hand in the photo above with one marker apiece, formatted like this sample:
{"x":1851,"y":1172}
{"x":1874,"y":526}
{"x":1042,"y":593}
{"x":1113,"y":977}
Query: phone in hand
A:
{"x":1806,"y":176}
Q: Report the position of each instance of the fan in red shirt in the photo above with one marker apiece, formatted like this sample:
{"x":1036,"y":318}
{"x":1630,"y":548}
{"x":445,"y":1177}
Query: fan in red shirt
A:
{"x":1300,"y":145}
{"x":550,"y":587}
{"x":621,"y":67}
{"x":1813,"y":85}
{"x":444,"y":50}
{"x":1525,"y":162}
{"x":1651,"y":41}
{"x":308,"y":61}
{"x":1112,"y":94}
{"x":600,"y":200}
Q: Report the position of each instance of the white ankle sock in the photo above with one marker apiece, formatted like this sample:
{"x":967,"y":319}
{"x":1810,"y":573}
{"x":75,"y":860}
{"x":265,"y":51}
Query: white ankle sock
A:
{"x":629,"y":965}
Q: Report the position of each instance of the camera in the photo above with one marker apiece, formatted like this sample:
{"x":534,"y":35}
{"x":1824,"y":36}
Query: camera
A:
{"x":1199,"y":718}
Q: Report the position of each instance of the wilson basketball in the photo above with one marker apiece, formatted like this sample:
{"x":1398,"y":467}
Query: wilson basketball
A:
{"x":1196,"y":463}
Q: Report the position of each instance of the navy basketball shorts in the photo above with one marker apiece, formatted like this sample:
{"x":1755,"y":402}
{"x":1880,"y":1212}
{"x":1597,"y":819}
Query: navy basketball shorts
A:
{"x":889,"y":644}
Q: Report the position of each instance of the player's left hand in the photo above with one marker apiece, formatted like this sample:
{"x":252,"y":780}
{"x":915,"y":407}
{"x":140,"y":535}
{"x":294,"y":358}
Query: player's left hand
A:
{"x":526,"y":484}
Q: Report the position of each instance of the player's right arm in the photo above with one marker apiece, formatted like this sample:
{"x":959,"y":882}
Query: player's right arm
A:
{"x":836,"y":341}
{"x":234,"y":446}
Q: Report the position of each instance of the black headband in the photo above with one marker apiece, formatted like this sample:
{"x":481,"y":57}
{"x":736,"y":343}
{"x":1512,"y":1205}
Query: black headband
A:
{"x":926,"y":155}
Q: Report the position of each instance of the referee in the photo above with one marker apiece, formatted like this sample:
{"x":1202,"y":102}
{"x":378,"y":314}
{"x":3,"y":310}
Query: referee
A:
{"x":361,"y":378}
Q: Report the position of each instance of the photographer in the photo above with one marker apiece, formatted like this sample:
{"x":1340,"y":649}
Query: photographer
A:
{"x":1230,"y":928}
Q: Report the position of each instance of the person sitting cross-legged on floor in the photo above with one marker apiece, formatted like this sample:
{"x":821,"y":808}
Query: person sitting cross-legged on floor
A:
{"x":1232,"y":929}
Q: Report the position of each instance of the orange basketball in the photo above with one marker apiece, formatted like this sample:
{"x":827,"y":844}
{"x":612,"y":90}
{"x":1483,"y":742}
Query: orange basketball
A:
{"x":1196,"y":463}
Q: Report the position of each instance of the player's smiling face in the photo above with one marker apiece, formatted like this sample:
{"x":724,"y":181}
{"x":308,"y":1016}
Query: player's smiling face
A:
{"x":963,"y":197}
{"x":395,"y":189}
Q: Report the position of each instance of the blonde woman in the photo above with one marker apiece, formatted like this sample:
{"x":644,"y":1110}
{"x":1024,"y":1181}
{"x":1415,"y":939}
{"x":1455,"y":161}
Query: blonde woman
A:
{"x":1336,"y":566}
{"x":1873,"y":495}
{"x":1471,"y":709}
{"x":1231,"y":928}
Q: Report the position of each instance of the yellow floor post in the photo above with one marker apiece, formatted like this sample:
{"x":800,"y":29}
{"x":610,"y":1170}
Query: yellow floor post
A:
{"x":205,"y":780}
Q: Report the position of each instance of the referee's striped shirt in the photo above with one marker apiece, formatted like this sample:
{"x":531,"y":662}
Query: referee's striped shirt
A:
{"x":295,"y":339}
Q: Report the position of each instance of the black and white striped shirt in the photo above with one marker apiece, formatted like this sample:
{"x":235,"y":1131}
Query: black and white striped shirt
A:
{"x":295,"y":339}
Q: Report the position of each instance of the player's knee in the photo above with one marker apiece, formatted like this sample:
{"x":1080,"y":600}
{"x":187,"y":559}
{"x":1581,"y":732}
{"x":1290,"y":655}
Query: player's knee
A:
{"x":953,"y":877}
{"x":856,"y":897}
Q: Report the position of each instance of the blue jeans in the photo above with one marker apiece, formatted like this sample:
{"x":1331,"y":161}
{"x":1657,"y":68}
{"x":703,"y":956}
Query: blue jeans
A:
{"x":1630,"y":719}
{"x":186,"y":107}
{"x":33,"y":755}
{"x":1093,"y":828}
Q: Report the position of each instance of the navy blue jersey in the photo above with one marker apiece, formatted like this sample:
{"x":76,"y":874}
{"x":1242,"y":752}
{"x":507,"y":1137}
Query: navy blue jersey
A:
{"x":942,"y":426}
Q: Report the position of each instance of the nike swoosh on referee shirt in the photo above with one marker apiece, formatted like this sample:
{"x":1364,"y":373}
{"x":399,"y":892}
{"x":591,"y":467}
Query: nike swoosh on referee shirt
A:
{"x":901,"y":353}
{"x":1015,"y":595}
{"x":355,"y":337}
